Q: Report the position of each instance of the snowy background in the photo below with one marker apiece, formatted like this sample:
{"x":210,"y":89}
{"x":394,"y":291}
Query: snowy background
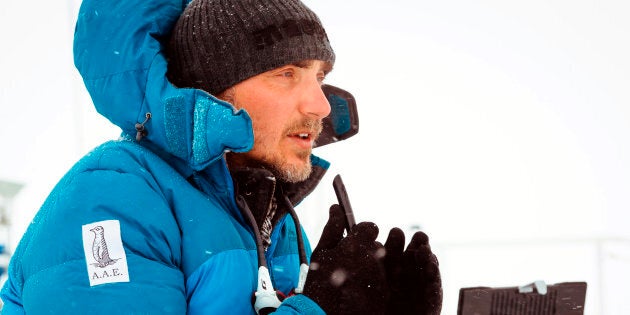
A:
{"x":498,"y":127}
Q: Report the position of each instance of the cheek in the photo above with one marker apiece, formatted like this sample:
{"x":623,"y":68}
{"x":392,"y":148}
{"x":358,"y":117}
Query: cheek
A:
{"x":266,"y":125}
{"x":269,"y":119}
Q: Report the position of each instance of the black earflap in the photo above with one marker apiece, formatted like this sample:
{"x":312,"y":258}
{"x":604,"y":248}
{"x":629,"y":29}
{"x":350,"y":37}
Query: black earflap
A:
{"x":343,"y":121}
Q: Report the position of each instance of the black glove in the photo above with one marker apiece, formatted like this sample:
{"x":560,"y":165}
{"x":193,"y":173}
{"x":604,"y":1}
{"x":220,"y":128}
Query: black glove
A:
{"x":413,"y":276}
{"x":346,"y":274}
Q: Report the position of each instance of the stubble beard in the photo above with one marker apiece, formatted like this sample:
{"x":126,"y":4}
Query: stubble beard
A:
{"x":278,"y":163}
{"x":293,"y":173}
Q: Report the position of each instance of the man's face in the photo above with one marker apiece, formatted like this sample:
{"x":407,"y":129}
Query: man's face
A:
{"x":287,"y":106}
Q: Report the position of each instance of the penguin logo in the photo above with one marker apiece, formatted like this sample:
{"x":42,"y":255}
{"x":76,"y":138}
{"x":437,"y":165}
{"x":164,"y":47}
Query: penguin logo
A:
{"x":99,"y":248}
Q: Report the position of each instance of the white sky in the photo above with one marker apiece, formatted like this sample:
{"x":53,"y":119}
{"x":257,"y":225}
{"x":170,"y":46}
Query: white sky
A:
{"x":499,"y":127}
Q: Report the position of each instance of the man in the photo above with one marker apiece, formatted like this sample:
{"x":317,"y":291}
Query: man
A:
{"x":192,"y":210}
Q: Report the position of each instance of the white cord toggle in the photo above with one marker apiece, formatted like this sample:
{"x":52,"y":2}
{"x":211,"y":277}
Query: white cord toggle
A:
{"x":265,"y":295}
{"x":302,"y":278}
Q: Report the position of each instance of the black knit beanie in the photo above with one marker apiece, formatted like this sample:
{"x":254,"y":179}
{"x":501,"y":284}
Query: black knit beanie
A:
{"x":218,"y":43}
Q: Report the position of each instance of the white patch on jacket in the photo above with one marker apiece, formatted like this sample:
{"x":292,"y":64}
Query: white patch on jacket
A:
{"x":105,"y":256}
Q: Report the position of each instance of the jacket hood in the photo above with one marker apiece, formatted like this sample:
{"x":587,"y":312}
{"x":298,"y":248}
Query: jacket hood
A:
{"x":119,"y":53}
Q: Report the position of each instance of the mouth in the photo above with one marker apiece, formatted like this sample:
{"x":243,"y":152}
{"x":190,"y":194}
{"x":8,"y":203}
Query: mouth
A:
{"x":303,"y":139}
{"x":302,"y":135}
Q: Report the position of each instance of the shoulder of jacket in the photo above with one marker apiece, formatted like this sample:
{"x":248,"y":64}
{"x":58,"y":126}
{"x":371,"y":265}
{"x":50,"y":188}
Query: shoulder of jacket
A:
{"x":120,"y":155}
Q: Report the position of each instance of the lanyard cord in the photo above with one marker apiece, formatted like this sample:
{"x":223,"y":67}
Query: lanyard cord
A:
{"x":266,"y":300}
{"x":300,"y":239}
{"x":262,"y":261}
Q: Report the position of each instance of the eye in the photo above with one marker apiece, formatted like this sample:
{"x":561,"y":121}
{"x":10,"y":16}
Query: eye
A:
{"x":287,"y":73}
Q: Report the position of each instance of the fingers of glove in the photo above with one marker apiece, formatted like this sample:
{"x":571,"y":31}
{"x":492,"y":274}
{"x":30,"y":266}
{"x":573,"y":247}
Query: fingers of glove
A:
{"x":362,"y":239}
{"x":419,"y":260}
{"x":395,"y":242}
{"x":422,"y":254}
{"x":333,"y":231}
{"x":394,"y":246}
{"x":429,"y":263}
{"x":419,"y":286}
{"x":419,"y":252}
{"x":417,"y":240}
{"x":420,"y":278}
{"x":364,"y":232}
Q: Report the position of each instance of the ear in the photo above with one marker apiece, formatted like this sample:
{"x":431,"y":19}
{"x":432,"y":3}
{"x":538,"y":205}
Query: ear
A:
{"x":228,"y":95}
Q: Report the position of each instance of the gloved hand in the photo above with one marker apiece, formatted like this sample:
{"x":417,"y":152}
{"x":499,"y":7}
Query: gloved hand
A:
{"x":413,"y":276}
{"x":346,"y":274}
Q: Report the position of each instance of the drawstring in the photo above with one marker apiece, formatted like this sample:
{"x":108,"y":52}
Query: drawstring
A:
{"x":140,"y":130}
{"x":266,"y":298}
{"x":262,"y":261}
{"x":301,"y":250}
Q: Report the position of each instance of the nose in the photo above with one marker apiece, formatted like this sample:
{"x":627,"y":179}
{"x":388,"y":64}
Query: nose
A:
{"x":314,"y":103}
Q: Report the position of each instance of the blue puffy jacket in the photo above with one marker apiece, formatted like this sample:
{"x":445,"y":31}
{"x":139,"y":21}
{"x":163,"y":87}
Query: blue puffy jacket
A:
{"x":148,"y":227}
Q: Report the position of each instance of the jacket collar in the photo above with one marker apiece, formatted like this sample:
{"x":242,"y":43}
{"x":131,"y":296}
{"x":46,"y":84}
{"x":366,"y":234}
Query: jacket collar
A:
{"x":263,"y":191}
